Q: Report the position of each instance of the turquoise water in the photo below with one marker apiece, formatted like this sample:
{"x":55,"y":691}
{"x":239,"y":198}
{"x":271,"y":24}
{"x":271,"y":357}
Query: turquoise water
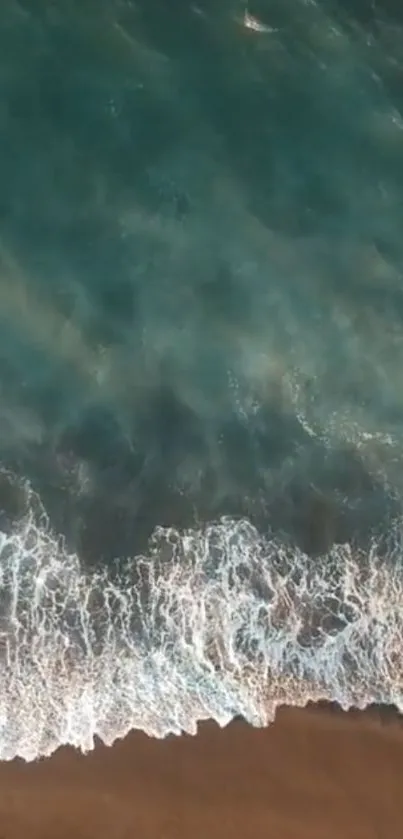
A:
{"x":201,"y":311}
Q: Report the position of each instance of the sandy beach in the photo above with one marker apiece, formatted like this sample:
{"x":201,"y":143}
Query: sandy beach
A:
{"x":318,"y":773}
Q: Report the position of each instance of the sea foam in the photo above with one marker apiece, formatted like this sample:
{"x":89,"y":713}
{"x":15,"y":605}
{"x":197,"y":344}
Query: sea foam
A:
{"x":212,"y":623}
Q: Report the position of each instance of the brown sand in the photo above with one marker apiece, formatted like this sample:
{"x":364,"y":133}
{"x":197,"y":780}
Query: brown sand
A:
{"x":316,"y":773}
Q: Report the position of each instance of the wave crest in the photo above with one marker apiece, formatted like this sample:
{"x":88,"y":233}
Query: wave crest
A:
{"x":213,"y":623}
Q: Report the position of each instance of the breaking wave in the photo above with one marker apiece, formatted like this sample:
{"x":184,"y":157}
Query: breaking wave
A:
{"x":212,"y":623}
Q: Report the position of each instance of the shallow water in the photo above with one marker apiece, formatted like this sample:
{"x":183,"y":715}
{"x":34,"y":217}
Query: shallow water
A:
{"x":201,"y":311}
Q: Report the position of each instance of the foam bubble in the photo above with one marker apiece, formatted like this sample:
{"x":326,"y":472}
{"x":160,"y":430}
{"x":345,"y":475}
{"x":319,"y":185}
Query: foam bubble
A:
{"x":212,"y":623}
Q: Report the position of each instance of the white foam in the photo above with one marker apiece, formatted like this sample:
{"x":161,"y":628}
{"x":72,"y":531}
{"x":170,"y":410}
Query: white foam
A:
{"x":213,"y":623}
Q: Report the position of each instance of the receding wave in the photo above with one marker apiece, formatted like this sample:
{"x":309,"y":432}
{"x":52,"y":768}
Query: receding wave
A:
{"x":212,"y":623}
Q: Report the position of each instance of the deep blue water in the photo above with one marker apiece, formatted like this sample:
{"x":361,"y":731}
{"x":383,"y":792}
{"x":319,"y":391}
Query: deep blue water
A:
{"x":201,"y":242}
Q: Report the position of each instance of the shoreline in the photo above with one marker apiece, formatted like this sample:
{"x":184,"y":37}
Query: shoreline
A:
{"x":315,"y":772}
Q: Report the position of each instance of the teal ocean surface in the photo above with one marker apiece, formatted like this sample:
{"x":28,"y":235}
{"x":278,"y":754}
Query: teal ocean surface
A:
{"x":201,"y":363}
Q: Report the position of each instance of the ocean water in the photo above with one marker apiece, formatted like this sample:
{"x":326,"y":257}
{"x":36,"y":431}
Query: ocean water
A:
{"x":201,"y":363}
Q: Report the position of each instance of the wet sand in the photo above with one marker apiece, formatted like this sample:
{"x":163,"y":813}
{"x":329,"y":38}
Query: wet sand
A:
{"x":318,"y":773}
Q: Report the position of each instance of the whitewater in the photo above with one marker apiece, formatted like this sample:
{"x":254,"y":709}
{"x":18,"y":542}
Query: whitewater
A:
{"x":212,"y":623}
